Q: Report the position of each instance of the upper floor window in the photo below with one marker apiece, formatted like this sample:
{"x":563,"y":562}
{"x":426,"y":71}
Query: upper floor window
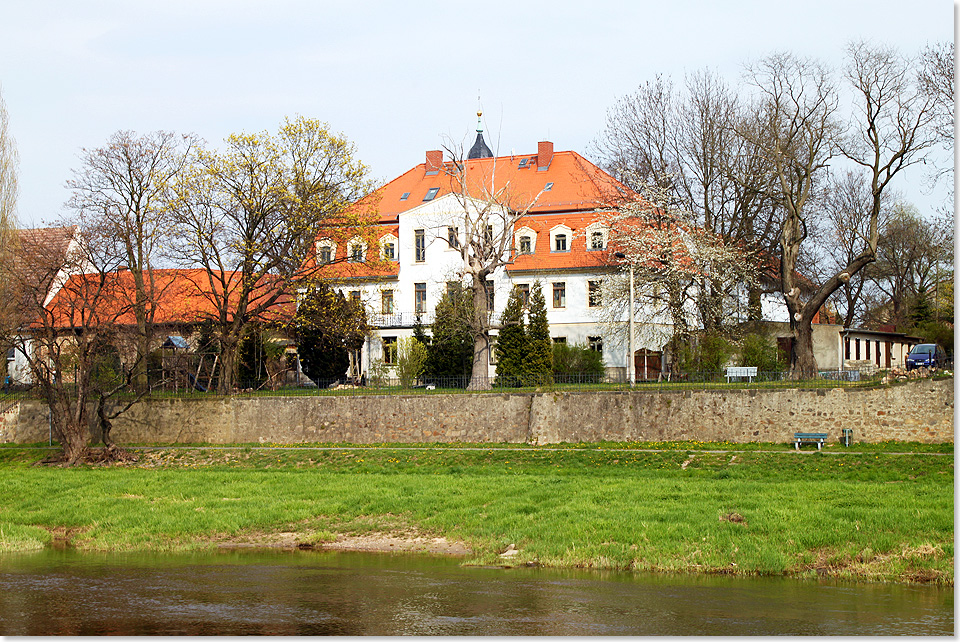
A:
{"x":593,"y":294}
{"x":420,"y":297}
{"x":356,"y":252}
{"x":386,"y":302}
{"x":488,"y":288}
{"x":524,"y":290}
{"x":325,"y":254}
{"x":560,"y":295}
{"x":452,"y":237}
{"x":431,"y":194}
{"x":525,"y":240}
{"x":419,"y":246}
{"x":389,"y":251}
{"x":560,"y":243}
{"x":596,"y":240}
{"x":596,"y":236}
{"x":405,"y":196}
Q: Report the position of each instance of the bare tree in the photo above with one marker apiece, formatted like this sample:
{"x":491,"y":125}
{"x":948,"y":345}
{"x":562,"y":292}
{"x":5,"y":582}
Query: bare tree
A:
{"x":673,"y":260}
{"x":67,"y":340}
{"x":487,"y":213}
{"x":8,"y":208}
{"x":121,"y":199}
{"x":911,"y":254}
{"x":686,"y":142}
{"x":250,"y":216}
{"x":887,"y":133}
{"x":797,"y":107}
{"x":844,"y":230}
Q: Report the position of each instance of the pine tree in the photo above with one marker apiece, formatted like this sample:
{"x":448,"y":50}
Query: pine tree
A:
{"x":538,"y":368}
{"x":512,"y":344}
{"x":327,"y":327}
{"x":450,"y":355}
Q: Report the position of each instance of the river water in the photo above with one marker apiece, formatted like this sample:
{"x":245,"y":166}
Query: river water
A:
{"x":313,"y":593}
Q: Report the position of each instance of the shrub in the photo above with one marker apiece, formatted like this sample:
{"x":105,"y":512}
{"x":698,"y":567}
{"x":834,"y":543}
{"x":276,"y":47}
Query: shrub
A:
{"x":411,"y":360}
{"x":576,"y":360}
{"x":757,"y":350}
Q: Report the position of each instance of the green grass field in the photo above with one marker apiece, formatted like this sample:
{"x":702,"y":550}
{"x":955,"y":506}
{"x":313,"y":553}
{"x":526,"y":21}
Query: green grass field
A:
{"x":874,"y":512}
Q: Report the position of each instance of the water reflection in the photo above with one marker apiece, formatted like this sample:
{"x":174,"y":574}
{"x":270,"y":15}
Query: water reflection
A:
{"x":308,"y":593}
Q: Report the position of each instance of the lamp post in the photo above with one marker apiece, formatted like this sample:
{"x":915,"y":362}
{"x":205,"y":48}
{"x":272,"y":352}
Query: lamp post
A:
{"x":631,"y":364}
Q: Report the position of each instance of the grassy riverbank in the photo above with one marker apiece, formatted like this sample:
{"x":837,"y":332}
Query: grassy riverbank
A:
{"x":883,"y":512}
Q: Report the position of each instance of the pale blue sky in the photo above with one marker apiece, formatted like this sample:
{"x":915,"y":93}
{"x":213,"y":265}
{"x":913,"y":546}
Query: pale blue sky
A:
{"x":396,"y":78}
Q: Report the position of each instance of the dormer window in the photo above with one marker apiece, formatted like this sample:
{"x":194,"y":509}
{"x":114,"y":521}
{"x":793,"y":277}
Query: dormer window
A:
{"x":389,"y":251}
{"x":561,"y":237}
{"x":355,"y":251}
{"x":596,"y":240}
{"x":326,"y":251}
{"x":431,"y":194}
{"x":526,"y":245}
{"x":525,"y":241}
{"x":596,"y":237}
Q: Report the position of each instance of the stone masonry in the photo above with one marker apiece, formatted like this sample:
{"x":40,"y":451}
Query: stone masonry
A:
{"x":915,"y":411}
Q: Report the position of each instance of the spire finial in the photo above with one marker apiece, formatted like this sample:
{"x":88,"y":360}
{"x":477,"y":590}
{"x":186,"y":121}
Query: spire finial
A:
{"x":479,"y":113}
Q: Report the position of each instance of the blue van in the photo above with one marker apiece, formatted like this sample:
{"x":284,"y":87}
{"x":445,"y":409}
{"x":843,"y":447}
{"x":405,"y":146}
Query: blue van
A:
{"x":928,"y":355}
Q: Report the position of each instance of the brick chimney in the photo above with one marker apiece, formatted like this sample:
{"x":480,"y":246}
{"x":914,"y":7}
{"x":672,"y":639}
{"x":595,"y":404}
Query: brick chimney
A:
{"x":434,"y":160}
{"x":544,"y":154}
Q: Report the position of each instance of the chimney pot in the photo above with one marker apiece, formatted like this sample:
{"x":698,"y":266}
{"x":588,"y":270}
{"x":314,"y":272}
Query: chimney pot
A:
{"x":544,"y":154}
{"x":434,"y":160}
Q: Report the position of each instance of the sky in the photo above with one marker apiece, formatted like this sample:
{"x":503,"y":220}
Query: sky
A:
{"x":397,"y":78}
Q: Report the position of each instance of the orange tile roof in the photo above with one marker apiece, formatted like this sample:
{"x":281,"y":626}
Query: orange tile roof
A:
{"x":342,"y":268}
{"x":578,"y":184}
{"x":543,"y":256}
{"x":182,"y":297}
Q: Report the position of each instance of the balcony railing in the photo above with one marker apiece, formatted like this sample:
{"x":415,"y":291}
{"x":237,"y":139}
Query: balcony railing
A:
{"x":408,"y":319}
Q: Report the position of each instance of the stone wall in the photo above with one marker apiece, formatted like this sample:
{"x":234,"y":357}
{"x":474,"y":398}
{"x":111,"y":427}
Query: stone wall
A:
{"x":916,"y":411}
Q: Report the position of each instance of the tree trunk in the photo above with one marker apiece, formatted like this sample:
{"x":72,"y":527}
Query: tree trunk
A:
{"x":804,"y":361}
{"x":228,"y":366}
{"x":480,"y":374}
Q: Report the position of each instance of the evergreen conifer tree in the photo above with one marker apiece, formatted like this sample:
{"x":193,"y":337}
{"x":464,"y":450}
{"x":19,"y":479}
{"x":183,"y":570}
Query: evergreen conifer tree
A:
{"x":538,"y":368}
{"x":512,"y":344}
{"x":450,"y":355}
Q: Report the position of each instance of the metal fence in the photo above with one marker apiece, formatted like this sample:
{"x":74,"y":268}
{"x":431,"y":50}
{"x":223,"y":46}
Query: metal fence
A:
{"x":166,"y":388}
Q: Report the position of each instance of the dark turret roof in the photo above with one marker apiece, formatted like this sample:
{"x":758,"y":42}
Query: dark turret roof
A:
{"x":480,"y":149}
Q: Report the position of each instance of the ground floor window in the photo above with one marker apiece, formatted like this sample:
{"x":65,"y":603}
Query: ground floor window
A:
{"x":389,"y":350}
{"x":595,"y":344}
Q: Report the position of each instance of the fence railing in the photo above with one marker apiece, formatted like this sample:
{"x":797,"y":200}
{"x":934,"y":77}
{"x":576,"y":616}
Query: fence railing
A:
{"x":166,"y":388}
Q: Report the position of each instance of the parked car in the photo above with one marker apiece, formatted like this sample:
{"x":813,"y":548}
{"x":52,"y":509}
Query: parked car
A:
{"x":929,"y":355}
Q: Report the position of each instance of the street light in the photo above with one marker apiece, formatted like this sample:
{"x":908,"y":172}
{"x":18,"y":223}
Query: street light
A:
{"x":631,"y":364}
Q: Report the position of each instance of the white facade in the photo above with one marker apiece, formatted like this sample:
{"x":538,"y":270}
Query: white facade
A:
{"x":393,"y":302}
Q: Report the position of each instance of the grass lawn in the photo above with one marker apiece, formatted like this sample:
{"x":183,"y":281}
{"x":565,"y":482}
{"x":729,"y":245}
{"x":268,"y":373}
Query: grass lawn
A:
{"x":877,"y":512}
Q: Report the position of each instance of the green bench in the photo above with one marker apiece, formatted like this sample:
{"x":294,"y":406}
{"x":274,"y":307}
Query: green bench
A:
{"x":814,"y":437}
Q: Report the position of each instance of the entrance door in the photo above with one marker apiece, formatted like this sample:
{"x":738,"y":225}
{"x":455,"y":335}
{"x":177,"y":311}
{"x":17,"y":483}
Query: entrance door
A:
{"x":650,"y":360}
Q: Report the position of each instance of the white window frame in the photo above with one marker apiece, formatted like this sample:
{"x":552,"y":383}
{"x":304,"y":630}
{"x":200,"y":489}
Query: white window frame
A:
{"x":326,"y":242}
{"x":597,"y":228}
{"x":386,"y":240}
{"x":568,"y":238}
{"x":525,"y":231}
{"x":352,"y":245}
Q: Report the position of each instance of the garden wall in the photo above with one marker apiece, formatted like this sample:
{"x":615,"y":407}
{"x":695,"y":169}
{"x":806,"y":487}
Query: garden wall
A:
{"x":915,"y":411}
